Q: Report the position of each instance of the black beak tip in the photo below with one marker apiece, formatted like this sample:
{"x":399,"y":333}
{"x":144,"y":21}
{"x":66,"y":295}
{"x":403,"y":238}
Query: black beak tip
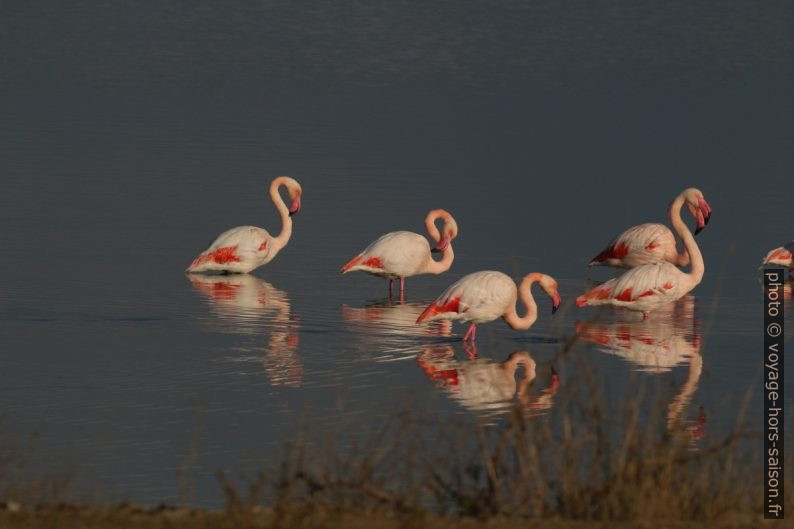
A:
{"x":706,"y":220}
{"x":553,"y":371}
{"x":698,"y":230}
{"x":435,"y":250}
{"x":554,"y":309}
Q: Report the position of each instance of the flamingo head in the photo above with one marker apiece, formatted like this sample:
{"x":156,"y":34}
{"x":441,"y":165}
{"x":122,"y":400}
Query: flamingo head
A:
{"x":698,"y":207}
{"x":549,"y":285}
{"x":449,"y":232}
{"x":294,"y":190}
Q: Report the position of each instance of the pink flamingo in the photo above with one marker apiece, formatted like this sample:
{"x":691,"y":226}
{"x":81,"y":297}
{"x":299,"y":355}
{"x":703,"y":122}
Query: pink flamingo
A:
{"x":241,"y":249}
{"x":783,"y":256}
{"x":484,"y":296}
{"x":403,"y":254}
{"x":652,"y":242}
{"x":650,"y":286}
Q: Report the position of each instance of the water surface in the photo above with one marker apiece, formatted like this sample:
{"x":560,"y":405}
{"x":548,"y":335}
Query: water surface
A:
{"x":131,"y":136}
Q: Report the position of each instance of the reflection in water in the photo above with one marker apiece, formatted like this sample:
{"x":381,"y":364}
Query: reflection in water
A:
{"x":485,"y":386}
{"x":245,"y":304}
{"x":656,"y":346}
{"x":390,"y":327}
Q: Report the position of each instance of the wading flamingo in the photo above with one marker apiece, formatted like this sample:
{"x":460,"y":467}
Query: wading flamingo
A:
{"x":650,"y":286}
{"x":651,"y":242}
{"x":783,"y":256}
{"x":241,"y":249}
{"x":402,"y":254}
{"x":484,"y":296}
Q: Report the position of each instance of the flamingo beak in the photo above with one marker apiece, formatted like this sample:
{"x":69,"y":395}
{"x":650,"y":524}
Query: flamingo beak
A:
{"x":296,"y":206}
{"x":442,"y":245}
{"x":701,"y":221}
{"x":555,"y":302}
{"x":705,"y":210}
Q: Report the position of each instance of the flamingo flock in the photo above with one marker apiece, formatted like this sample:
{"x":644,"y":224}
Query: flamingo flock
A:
{"x":649,"y":252}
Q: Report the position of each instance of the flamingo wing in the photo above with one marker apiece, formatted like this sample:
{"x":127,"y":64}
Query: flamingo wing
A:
{"x":638,"y":245}
{"x":640,"y":288}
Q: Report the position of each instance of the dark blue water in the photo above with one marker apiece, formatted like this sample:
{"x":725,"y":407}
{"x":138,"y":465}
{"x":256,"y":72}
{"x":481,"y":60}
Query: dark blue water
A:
{"x":132,"y":135}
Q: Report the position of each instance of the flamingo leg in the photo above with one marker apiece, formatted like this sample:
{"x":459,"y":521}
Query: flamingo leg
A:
{"x":391,"y":288}
{"x":471,"y":350}
{"x":644,"y":315}
{"x":402,"y":288}
{"x":471,"y":332}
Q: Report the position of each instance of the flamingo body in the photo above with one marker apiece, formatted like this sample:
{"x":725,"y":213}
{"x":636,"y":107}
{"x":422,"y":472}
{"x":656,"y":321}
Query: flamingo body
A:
{"x":783,"y":256}
{"x":479,"y":297}
{"x":238,"y":250}
{"x":640,"y":245}
{"x":396,"y":254}
{"x":644,"y":288}
{"x":646,"y":243}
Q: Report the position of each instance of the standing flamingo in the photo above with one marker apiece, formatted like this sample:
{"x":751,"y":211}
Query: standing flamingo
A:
{"x":783,"y":256}
{"x":241,"y":249}
{"x":650,"y":286}
{"x":484,"y":296}
{"x":403,"y":254}
{"x":652,"y":242}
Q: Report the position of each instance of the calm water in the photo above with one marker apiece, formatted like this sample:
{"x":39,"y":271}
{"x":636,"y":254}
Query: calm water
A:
{"x":130,"y":137}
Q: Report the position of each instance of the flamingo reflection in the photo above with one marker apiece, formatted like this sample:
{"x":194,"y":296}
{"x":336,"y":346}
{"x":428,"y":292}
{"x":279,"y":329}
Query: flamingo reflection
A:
{"x":651,"y":345}
{"x":656,"y":346}
{"x":245,"y":304}
{"x":485,"y":386}
{"x":390,"y":327}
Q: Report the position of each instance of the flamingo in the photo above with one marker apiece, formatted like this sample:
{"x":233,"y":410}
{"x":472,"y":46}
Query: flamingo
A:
{"x":783,"y":256}
{"x":403,"y":254}
{"x":653,"y":285}
{"x":241,"y":249}
{"x":481,"y":297}
{"x":651,"y":242}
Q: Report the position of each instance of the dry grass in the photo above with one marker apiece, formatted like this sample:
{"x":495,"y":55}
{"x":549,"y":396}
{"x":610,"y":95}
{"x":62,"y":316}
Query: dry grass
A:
{"x":584,"y":468}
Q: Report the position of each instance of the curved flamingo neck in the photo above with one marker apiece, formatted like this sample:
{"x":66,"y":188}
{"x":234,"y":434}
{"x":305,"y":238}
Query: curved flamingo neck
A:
{"x":682,"y":257}
{"x":430,"y":225}
{"x":286,"y":221}
{"x":696,"y":258}
{"x":511,"y":317}
{"x":442,"y":265}
{"x":438,"y":267}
